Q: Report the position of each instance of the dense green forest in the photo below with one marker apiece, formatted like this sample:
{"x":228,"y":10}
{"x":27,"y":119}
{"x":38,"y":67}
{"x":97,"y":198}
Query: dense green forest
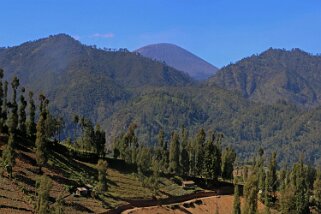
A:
{"x":247,"y":101}
{"x":293,"y":76}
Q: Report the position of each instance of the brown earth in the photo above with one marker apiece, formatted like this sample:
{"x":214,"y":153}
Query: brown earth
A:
{"x":224,"y":205}
{"x":17,"y":195}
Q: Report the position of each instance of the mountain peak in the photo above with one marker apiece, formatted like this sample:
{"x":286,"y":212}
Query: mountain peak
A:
{"x":179,"y":58}
{"x":276,"y":52}
{"x":62,"y":37}
{"x":275,"y":74}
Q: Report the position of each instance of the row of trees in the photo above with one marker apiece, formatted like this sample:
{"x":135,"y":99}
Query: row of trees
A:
{"x":199,"y":156}
{"x":290,"y":191}
{"x":90,"y":138}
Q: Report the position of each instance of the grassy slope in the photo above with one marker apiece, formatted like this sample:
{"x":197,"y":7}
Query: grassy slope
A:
{"x":18,"y":195}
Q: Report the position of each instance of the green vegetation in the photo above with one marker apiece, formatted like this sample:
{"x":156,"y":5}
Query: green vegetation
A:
{"x":175,"y":129}
{"x":118,"y":88}
{"x":102,"y":169}
{"x":274,"y":75}
{"x":41,"y":141}
{"x":236,"y":201}
{"x":36,"y":145}
{"x":43,"y":187}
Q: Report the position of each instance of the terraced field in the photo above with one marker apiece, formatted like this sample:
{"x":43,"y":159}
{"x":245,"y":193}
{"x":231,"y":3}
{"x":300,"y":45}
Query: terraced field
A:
{"x":17,"y":195}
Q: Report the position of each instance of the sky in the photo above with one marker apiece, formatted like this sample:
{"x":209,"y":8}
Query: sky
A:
{"x":219,"y":31}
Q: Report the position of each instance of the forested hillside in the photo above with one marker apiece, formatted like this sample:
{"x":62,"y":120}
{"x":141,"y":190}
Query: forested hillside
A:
{"x":293,"y":76}
{"x":81,"y":79}
{"x":118,"y":88}
{"x":246,"y":126}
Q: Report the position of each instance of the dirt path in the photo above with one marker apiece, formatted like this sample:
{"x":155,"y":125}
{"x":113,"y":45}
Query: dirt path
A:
{"x":132,"y":204}
{"x":222,"y":204}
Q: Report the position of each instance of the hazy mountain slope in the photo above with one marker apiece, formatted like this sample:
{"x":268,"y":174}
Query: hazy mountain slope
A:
{"x":61,"y":55}
{"x":293,"y":76}
{"x":83,"y":79}
{"x":180,"y":59}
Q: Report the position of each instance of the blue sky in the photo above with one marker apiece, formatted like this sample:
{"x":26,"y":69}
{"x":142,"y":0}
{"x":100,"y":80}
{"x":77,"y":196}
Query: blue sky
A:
{"x":220,"y":31}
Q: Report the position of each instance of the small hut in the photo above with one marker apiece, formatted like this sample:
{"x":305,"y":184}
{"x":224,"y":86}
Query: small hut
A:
{"x":188,"y":184}
{"x":82,"y":191}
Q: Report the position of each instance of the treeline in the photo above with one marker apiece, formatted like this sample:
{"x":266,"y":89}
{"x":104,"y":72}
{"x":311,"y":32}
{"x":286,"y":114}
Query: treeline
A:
{"x":296,"y":190}
{"x":246,"y":126}
{"x":198,"y":156}
{"x":288,"y":190}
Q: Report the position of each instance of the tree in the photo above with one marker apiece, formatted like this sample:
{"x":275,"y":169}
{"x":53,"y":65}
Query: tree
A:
{"x":259,"y":169}
{"x":99,"y":141}
{"x":184,"y":157}
{"x":31,"y":125}
{"x":294,"y":197}
{"x":15,"y":84}
{"x":60,"y":124}
{"x":41,"y":141}
{"x":236,"y":202}
{"x":22,"y":113}
{"x":250,"y":194}
{"x":129,"y":144}
{"x":102,"y":173}
{"x":287,"y":199}
{"x":228,"y":159}
{"x":143,"y":158}
{"x":157,"y":156}
{"x":208,"y":168}
{"x":43,"y":187}
{"x":317,"y":190}
{"x":212,"y":157}
{"x":272,"y":177}
{"x":164,"y":151}
{"x":199,"y":151}
{"x":88,"y":135}
{"x":266,"y":196}
{"x":76,"y":122}
{"x":301,"y":188}
{"x":5,"y":100}
{"x":174,"y":153}
{"x":191,"y":157}
{"x":13,"y":118}
{"x":245,"y":173}
{"x":8,"y":154}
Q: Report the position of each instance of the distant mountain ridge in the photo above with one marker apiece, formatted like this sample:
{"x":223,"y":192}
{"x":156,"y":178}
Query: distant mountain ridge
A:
{"x":83,"y":79}
{"x":180,"y":59}
{"x":274,"y":75}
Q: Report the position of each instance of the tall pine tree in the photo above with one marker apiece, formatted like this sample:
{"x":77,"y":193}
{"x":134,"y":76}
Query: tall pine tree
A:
{"x":184,"y":157}
{"x":31,"y":125}
{"x":102,"y":173}
{"x":41,"y":141}
{"x":22,"y":113}
{"x":43,"y":187}
{"x":174,"y":153}
{"x":199,"y":152}
{"x":236,"y":201}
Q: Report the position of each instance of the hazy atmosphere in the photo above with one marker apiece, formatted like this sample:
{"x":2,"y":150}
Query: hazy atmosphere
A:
{"x":160,"y":106}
